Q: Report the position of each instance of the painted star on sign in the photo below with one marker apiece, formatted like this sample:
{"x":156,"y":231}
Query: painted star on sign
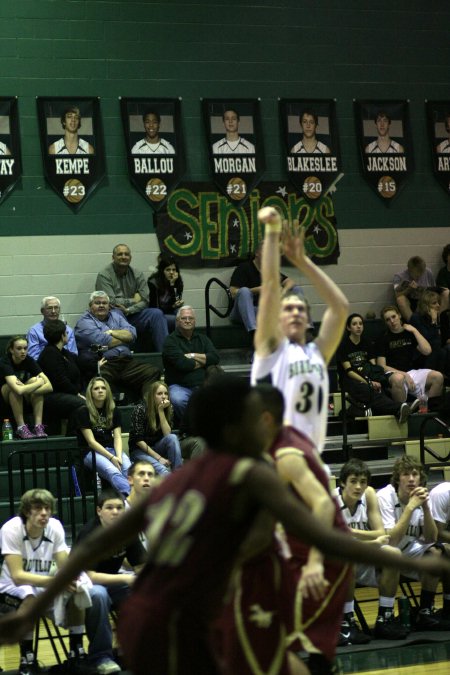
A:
{"x":235,"y":223}
{"x":316,"y":229}
{"x":233,"y":248}
{"x":282,"y":191}
{"x":188,"y":235}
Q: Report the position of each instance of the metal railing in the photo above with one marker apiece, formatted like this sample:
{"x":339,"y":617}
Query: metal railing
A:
{"x":211,"y":308}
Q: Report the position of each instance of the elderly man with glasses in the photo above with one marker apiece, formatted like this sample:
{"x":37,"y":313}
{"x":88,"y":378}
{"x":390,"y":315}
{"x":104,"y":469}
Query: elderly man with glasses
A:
{"x":186,"y":356}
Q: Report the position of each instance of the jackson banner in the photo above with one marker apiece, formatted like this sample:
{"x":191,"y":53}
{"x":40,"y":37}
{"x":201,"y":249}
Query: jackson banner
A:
{"x":72,"y":146}
{"x":10,"y":154}
{"x":385,"y":145}
{"x":202,"y":228}
{"x":311,"y":141}
{"x":155,"y":148}
{"x":438,"y":118}
{"x":235,"y":145}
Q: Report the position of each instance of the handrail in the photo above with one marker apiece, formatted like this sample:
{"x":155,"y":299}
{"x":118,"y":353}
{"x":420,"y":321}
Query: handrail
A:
{"x":422,"y":447}
{"x":209,"y":307}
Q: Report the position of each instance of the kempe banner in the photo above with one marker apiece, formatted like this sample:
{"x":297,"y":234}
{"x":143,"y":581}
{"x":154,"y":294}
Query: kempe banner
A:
{"x":235,"y":145}
{"x":10,"y":155}
{"x":385,"y":145}
{"x":311,"y":140}
{"x":438,"y":117}
{"x":72,"y":146}
{"x":155,"y":148}
{"x":202,"y":228}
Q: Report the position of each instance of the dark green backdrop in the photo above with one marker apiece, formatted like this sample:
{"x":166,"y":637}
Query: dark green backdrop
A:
{"x":267,"y":48}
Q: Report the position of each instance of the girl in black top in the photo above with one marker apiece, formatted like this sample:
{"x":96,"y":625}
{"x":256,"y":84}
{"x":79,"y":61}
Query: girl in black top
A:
{"x":166,"y":289}
{"x":22,"y":380}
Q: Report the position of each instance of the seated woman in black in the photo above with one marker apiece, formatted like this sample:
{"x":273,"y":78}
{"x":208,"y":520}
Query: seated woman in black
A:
{"x":61,"y":368}
{"x":166,"y":289}
{"x":427,"y":319}
{"x":23,"y":382}
{"x":361,"y":378}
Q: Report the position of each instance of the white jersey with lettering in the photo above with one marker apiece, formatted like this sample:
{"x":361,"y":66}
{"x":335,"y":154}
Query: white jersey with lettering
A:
{"x":440,"y":502}
{"x":143,"y":147}
{"x":300,"y":372}
{"x":61,"y":148}
{"x":391,"y":508}
{"x":37,"y":554}
{"x":358,"y":520}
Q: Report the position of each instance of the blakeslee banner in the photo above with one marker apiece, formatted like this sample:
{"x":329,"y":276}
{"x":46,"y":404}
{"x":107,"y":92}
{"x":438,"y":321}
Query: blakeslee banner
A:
{"x":438,"y":118}
{"x":10,"y":155}
{"x":311,"y":141}
{"x":385,"y":145}
{"x":202,"y":228}
{"x":235,"y":145}
{"x":155,"y":147}
{"x":72,"y":146}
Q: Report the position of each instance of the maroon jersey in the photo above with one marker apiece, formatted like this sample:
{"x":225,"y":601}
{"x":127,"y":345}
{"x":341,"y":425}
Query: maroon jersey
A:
{"x":315,"y":623}
{"x":195,"y":526}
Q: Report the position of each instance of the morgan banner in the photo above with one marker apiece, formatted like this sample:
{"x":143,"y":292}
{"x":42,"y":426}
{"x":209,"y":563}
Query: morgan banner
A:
{"x":235,"y":145}
{"x":10,"y":155}
{"x":155,"y":148}
{"x":385,"y":145}
{"x":202,"y":228}
{"x":438,"y":117}
{"x":72,"y":146}
{"x":311,"y":140}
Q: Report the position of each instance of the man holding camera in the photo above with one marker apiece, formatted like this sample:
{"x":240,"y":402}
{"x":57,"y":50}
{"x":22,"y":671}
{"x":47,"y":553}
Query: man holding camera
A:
{"x":102,"y":327}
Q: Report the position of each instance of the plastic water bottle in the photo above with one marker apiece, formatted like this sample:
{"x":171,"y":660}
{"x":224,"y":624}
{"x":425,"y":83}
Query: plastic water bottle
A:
{"x":7,"y":431}
{"x":423,"y":404}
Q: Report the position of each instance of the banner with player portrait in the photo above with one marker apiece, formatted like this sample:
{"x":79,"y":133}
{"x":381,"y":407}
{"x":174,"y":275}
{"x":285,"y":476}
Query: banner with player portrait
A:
{"x":385,"y":145}
{"x":155,"y":147}
{"x":72,"y":146}
{"x":10,"y":154}
{"x":235,"y":145}
{"x":438,"y":118}
{"x":202,"y":228}
{"x":311,"y":140}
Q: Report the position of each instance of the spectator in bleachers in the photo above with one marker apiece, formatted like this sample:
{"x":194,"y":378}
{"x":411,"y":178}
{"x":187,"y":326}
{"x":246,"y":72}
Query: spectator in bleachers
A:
{"x":359,"y":507}
{"x":427,"y":319}
{"x":409,"y":284}
{"x":166,"y":289}
{"x":99,"y":431}
{"x":30,"y":543}
{"x":407,"y":519}
{"x":245,"y":288}
{"x":61,"y":367}
{"x":23,"y":382}
{"x":362,"y":379}
{"x":101,"y":327}
{"x":50,"y":310}
{"x":186,"y":355}
{"x":128,"y":294}
{"x":151,"y":438}
{"x":398,"y":351}
{"x":443,"y":276}
{"x":110,"y":585}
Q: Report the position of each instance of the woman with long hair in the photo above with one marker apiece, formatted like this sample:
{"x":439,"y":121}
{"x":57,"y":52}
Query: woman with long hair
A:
{"x":99,"y":431}
{"x":23,"y":382}
{"x":427,"y":320}
{"x":166,"y":288}
{"x":151,"y":438}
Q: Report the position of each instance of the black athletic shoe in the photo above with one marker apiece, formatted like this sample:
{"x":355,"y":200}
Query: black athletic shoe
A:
{"x":387,"y":627}
{"x":29,"y":666}
{"x":351,"y":633}
{"x":428,"y":619}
